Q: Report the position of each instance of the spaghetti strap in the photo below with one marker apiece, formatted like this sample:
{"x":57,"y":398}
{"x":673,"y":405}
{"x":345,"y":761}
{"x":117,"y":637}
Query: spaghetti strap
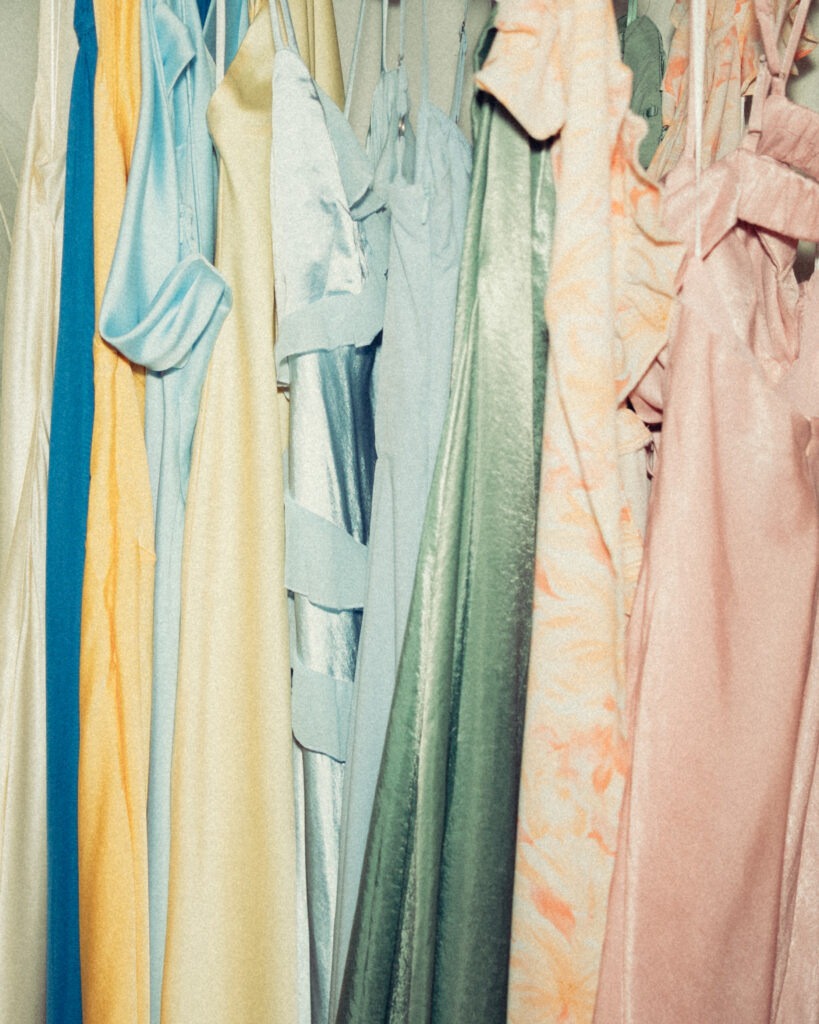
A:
{"x":632,"y":12}
{"x":770,"y":26}
{"x":354,"y":59}
{"x":385,"y":14}
{"x":278,"y":40}
{"x":221,"y":39}
{"x":457,"y":93}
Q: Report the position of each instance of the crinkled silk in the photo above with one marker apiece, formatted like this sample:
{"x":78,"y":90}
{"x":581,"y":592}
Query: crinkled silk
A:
{"x":557,"y":67}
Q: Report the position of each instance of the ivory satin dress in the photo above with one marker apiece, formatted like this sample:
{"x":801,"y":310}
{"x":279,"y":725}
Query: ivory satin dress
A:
{"x":28,"y":350}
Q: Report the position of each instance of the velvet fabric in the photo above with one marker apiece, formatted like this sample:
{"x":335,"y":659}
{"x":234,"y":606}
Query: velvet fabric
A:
{"x":430,"y":938}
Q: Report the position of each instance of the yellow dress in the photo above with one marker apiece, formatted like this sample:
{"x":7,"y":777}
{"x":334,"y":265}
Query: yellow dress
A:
{"x":117,"y":611}
{"x":230,"y":953}
{"x":27,"y":356}
{"x":556,"y":66}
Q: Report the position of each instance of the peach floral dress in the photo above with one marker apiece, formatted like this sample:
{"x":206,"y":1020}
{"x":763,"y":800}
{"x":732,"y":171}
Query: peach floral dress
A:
{"x":556,"y":67}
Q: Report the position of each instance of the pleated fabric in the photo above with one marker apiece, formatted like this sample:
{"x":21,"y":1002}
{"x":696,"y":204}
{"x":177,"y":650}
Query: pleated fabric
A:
{"x":557,"y":68}
{"x":29,"y":345}
{"x":231,"y":935}
{"x":430,"y":938}
{"x":162,"y":309}
{"x":117,"y":603}
{"x":72,"y":417}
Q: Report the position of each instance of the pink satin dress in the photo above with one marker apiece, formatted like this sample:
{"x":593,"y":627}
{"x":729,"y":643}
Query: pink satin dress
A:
{"x":714,"y":908}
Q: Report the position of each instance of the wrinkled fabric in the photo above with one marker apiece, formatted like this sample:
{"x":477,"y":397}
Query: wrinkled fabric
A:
{"x":427,"y":210}
{"x":72,"y":419}
{"x":163,"y":307}
{"x":28,"y":346}
{"x":732,"y":52}
{"x":713,"y":911}
{"x":231,"y":953}
{"x":557,"y":68}
{"x":330,"y":307}
{"x":430,"y":938}
{"x":117,"y":600}
{"x":641,"y":47}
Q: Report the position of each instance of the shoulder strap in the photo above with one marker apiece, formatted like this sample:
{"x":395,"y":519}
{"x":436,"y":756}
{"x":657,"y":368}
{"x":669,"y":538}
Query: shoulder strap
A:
{"x":457,"y":96}
{"x":770,"y":26}
{"x":632,"y":12}
{"x":278,"y":39}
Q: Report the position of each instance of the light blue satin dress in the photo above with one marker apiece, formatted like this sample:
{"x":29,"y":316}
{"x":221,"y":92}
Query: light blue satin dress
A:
{"x":427,"y":209}
{"x":331,"y":247}
{"x":163,"y":306}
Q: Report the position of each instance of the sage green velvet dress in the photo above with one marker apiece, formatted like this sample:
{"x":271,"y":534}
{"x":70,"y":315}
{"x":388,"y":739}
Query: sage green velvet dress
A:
{"x":430,"y":939}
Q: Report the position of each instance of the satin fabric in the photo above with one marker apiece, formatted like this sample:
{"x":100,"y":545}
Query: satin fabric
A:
{"x":557,"y":68}
{"x":117,"y":602}
{"x":29,"y":343}
{"x":230,"y":952}
{"x":163,"y":307}
{"x":427,"y":210}
{"x":72,"y":418}
{"x":330,"y":302}
{"x":430,"y":939}
{"x":713,"y":913}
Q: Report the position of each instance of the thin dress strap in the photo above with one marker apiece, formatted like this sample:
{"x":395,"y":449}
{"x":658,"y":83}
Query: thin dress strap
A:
{"x":457,"y":95}
{"x":354,"y":59}
{"x":221,"y":39}
{"x":632,"y":12}
{"x":278,"y":40}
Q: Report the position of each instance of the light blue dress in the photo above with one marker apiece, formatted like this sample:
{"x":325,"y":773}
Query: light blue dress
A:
{"x":163,"y":307}
{"x":427,"y":210}
{"x":331,"y":242}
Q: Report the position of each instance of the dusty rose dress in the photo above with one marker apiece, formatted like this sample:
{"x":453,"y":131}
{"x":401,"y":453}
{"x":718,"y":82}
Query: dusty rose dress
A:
{"x":714,"y":910}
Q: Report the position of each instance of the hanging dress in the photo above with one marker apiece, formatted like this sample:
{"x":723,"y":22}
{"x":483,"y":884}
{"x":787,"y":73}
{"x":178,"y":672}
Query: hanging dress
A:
{"x":427,"y":209}
{"x":713,"y":913}
{"x":28,"y":346}
{"x":430,"y":938}
{"x":230,"y":952}
{"x":117,"y":600}
{"x":72,"y":419}
{"x":557,"y":68}
{"x":330,"y":288}
{"x":163,"y":307}
{"x":641,"y":47}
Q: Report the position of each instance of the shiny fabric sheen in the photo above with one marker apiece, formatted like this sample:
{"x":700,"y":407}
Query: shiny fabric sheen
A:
{"x":72,"y":419}
{"x":330,"y":300}
{"x":28,"y":346}
{"x":427,"y":210}
{"x":163,"y":307}
{"x":430,"y":939}
{"x":713,"y":913}
{"x":117,"y":602}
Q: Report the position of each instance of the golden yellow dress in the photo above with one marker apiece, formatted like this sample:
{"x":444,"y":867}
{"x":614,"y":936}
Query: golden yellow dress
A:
{"x":230,"y":954}
{"x":117,"y":612}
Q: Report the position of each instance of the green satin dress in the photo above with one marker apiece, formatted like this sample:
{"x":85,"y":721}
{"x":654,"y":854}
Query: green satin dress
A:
{"x":431,"y":934}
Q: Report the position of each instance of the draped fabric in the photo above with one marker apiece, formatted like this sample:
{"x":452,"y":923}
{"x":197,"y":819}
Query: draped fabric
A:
{"x":163,"y":307}
{"x":72,"y":417}
{"x":117,"y":602}
{"x":29,"y":344}
{"x":230,"y":953}
{"x":426,"y":205}
{"x":557,"y":67}
{"x":430,"y":939}
{"x":713,"y":913}
{"x":330,"y":285}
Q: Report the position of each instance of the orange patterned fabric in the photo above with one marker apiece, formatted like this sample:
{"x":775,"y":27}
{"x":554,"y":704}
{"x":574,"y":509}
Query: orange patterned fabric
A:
{"x":555,"y":64}
{"x":732,"y":51}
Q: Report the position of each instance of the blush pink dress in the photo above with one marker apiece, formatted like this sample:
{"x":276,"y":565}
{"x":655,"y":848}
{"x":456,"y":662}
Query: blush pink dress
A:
{"x":714,"y":912}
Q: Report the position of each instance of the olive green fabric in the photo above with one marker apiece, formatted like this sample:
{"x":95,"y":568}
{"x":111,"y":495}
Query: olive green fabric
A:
{"x":642,"y":48}
{"x":430,"y":940}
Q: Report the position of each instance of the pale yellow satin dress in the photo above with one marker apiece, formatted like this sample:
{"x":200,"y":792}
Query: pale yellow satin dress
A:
{"x":230,"y":954}
{"x":29,"y":345}
{"x":117,"y":612}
